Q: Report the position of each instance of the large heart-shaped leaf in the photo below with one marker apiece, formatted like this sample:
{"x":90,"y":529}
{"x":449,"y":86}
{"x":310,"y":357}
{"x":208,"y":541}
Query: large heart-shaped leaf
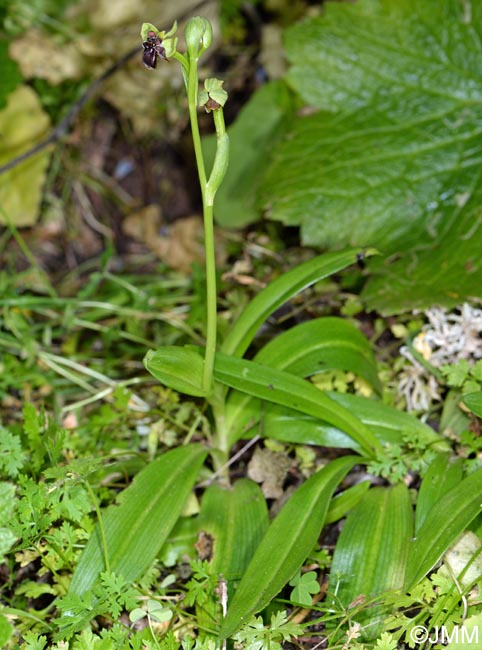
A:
{"x":11,"y":76}
{"x":392,"y":157}
{"x":133,"y":532}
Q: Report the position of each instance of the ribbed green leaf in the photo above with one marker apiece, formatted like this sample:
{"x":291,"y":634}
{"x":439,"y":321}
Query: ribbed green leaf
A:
{"x":327,"y":343}
{"x":443,"y":474}
{"x":311,"y":347}
{"x":371,"y":552}
{"x":136,"y":529}
{"x":447,"y":519}
{"x":287,"y":543}
{"x":236,"y":518}
{"x":279,"y":291}
{"x":387,"y":423}
{"x":180,"y":368}
{"x":288,"y":390}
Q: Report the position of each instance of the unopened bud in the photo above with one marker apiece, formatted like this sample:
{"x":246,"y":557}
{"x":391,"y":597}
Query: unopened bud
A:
{"x":199,"y":36}
{"x":213,"y":95}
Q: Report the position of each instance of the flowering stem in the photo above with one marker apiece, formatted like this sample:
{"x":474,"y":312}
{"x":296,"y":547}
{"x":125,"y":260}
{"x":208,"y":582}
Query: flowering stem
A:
{"x":211,"y":303}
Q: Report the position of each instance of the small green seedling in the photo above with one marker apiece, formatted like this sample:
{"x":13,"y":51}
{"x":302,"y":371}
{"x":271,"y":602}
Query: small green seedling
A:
{"x":305,"y":585}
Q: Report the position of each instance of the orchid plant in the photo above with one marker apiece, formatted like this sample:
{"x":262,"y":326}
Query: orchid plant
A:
{"x":270,"y":395}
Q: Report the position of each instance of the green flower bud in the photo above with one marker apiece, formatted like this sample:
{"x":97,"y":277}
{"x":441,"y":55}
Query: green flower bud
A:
{"x":213,"y":95}
{"x":199,"y":36}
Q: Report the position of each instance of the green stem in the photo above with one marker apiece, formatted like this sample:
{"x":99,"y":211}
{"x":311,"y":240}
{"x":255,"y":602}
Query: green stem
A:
{"x":211,"y":327}
{"x":211,"y":305}
{"x":192,"y":89}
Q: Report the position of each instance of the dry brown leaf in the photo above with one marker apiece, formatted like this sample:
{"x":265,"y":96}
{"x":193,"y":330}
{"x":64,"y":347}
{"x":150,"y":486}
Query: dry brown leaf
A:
{"x":23,"y":123}
{"x":269,"y":468}
{"x":178,"y":244}
{"x":41,"y":56}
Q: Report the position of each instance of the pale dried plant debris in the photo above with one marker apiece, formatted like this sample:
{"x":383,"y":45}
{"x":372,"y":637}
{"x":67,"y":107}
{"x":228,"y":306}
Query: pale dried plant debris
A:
{"x":447,"y":337}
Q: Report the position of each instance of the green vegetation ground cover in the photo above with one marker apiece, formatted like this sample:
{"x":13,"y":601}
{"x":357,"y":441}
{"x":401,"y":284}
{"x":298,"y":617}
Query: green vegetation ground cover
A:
{"x":135,"y":508}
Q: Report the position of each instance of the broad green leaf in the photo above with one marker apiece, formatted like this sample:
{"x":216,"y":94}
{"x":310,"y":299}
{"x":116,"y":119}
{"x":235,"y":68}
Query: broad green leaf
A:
{"x":443,"y":474}
{"x":177,"y":367}
{"x":453,"y":419}
{"x":447,"y":519}
{"x":371,"y":552}
{"x":279,"y":291}
{"x":23,"y":123}
{"x":321,"y":344}
{"x":288,"y":541}
{"x":258,"y":127}
{"x":236,"y":519}
{"x":388,"y":424}
{"x":392,"y":156}
{"x":327,"y":343}
{"x":136,"y":529}
{"x":283,"y":388}
{"x":473,"y":401}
